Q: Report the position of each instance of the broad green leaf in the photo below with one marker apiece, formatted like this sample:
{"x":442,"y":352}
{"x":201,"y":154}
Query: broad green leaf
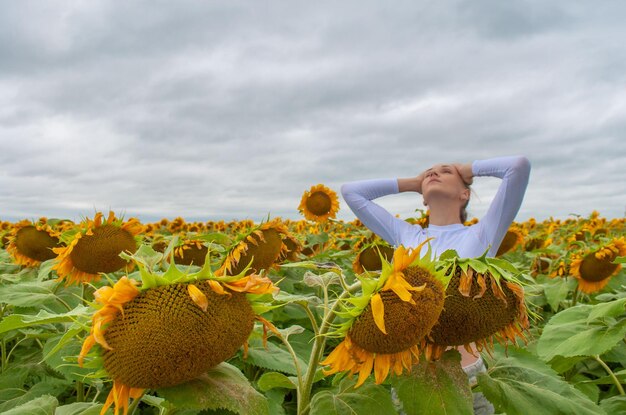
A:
{"x":614,"y":405}
{"x":368,"y":399}
{"x":223,"y":386}
{"x":18,"y":321}
{"x":64,"y":359}
{"x":581,"y":382}
{"x":439,"y":387}
{"x":43,"y":405}
{"x":572,"y":333}
{"x":556,"y":290}
{"x":51,"y":386}
{"x":28,"y":294}
{"x":271,"y":380}
{"x":79,"y":408}
{"x":274,"y":357}
{"x":606,"y":310}
{"x":275,"y":398}
{"x":521,"y":384}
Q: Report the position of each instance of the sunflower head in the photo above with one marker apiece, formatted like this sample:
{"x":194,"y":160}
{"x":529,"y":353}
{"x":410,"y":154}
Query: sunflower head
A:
{"x":512,"y":239}
{"x":172,"y":327}
{"x":484,"y":301}
{"x":594,"y":267}
{"x":256,"y":250}
{"x":95,"y":247}
{"x":319,"y":203}
{"x":32,"y":243}
{"x":190,"y":251}
{"x":385,"y":325}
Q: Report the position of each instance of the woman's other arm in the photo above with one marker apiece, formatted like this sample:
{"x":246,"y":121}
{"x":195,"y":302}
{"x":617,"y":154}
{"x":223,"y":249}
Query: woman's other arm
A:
{"x":514,"y":172}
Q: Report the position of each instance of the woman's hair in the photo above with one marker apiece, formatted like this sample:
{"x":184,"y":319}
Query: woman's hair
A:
{"x":463,"y":212}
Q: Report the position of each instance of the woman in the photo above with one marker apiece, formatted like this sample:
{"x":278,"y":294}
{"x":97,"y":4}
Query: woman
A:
{"x":446,"y":191}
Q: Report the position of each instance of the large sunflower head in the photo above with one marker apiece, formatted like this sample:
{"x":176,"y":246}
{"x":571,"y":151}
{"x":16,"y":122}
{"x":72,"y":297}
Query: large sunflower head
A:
{"x":319,"y":203}
{"x":484,"y":301}
{"x":257,"y":249}
{"x":385,"y":325}
{"x":94,"y":248}
{"x":513,"y":238}
{"x":594,"y":267}
{"x":32,"y":243}
{"x":170,"y":328}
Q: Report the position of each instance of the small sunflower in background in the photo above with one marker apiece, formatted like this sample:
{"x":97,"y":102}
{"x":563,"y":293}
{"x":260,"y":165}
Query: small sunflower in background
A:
{"x":30,"y":243}
{"x":94,"y":248}
{"x":484,"y":302}
{"x":170,"y":329}
{"x":513,"y":238}
{"x":319,"y":203}
{"x":385,"y":325}
{"x":370,"y":257}
{"x":594,"y":267}
{"x":258,"y":249}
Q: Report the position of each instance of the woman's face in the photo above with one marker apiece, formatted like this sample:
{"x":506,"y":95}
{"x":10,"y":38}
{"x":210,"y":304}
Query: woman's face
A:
{"x":444,"y":180}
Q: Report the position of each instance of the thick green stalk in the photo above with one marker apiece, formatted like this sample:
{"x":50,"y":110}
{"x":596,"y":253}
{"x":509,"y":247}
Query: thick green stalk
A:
{"x":616,"y":381}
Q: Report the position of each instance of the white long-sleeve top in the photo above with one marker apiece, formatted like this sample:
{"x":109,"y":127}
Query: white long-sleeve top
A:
{"x":468,"y":241}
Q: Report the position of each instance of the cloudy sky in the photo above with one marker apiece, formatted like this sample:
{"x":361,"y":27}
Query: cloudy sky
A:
{"x":231,"y":110}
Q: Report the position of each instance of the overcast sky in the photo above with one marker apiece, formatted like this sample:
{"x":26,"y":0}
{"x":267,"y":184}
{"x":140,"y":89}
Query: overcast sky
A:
{"x":231,"y":110}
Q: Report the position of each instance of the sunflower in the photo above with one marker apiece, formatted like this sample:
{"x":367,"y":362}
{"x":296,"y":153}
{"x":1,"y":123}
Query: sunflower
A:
{"x":32,"y":243}
{"x":170,"y":329}
{"x":256,"y":250}
{"x":319,"y":203}
{"x":95,"y":248}
{"x":369,"y":258}
{"x":594,"y":269}
{"x":484,"y":301}
{"x":512,"y":239}
{"x":385,"y":325}
{"x":190,"y":251}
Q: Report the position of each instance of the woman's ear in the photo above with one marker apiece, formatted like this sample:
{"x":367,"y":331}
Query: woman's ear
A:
{"x":465,"y":195}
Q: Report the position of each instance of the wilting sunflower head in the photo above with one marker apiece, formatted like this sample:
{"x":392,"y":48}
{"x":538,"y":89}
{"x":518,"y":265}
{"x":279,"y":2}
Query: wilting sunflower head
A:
{"x":172,"y":328}
{"x":256,"y":250}
{"x":95,"y":248}
{"x":319,"y":203}
{"x":190,"y":251}
{"x":292,"y":248}
{"x":386,"y":324}
{"x":32,"y":243}
{"x":370,"y":257}
{"x":483,"y":301}
{"x":594,"y":267}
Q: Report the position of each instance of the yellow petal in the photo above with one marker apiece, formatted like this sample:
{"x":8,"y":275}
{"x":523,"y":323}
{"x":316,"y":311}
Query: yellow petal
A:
{"x":198,"y":297}
{"x":378,"y":311}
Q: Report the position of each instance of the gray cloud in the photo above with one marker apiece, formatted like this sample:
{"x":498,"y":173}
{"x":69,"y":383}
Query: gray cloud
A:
{"x":231,"y":110}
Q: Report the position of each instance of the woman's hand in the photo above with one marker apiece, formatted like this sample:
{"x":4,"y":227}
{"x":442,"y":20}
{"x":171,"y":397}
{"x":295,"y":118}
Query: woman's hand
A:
{"x":411,"y":184}
{"x":465,"y":171}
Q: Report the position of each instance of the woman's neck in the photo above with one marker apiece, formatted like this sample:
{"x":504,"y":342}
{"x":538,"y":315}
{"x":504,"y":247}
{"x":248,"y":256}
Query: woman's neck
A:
{"x":444,"y":215}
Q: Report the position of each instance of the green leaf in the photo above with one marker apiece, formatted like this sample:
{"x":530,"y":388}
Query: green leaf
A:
{"x":275,"y":398}
{"x":51,"y":386}
{"x":274,"y":358}
{"x":606,"y":310}
{"x":521,"y":384}
{"x":28,"y":294}
{"x":64,"y":359}
{"x":614,"y":405}
{"x":271,"y":380}
{"x":439,"y":387}
{"x":368,"y":399}
{"x":224,"y":386}
{"x":79,"y":408}
{"x":573,"y":332}
{"x":44,"y":405}
{"x":556,"y":290}
{"x":18,"y":321}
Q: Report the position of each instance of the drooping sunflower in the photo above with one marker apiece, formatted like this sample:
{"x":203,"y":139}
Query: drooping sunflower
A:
{"x":170,"y":329}
{"x":260,"y":248}
{"x":484,"y":302}
{"x":594,"y":269}
{"x":32,"y":243}
{"x":190,"y":251}
{"x":369,"y":257}
{"x":319,"y":203}
{"x":385,"y":325}
{"x":95,"y":248}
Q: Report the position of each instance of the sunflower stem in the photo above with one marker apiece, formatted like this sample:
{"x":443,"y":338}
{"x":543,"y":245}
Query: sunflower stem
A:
{"x":309,"y":313}
{"x":575,"y":296}
{"x":616,"y":381}
{"x":304,"y":393}
{"x":133,"y":406}
{"x":80,"y":392}
{"x":3,"y":347}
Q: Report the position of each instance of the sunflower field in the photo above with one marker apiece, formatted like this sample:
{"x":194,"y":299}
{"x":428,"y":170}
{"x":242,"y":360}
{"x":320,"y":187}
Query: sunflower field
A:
{"x":311,"y":316}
